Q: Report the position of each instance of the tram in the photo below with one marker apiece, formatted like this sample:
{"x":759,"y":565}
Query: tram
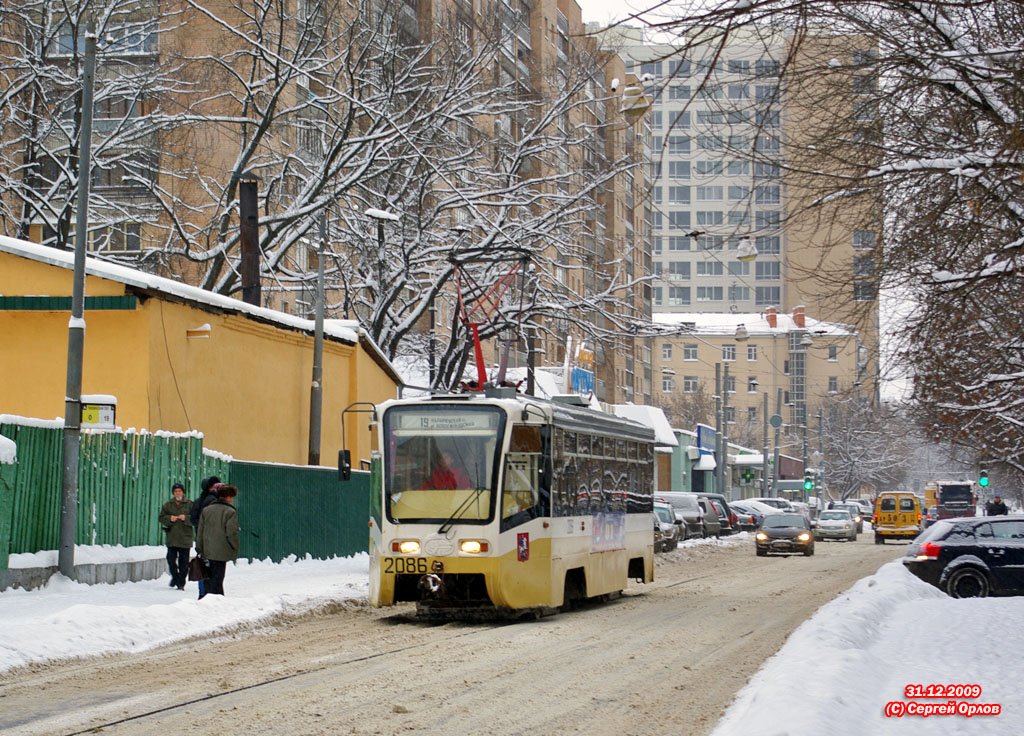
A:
{"x":495,"y":503}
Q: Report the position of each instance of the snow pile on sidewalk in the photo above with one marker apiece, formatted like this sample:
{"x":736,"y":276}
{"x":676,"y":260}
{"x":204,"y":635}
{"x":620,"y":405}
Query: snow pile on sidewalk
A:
{"x":837,"y":672}
{"x":66,"y":619}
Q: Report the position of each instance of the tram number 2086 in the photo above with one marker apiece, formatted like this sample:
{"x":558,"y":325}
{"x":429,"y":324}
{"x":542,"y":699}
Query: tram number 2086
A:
{"x":399,"y":565}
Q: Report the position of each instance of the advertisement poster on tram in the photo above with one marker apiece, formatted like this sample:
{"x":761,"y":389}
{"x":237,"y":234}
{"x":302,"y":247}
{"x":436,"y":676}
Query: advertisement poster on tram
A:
{"x":609,"y":531}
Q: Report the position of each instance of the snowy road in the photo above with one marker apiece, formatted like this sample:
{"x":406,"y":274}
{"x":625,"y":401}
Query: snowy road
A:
{"x":672,"y":654}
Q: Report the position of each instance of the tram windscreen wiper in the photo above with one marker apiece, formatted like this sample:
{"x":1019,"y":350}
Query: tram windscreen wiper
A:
{"x":457,"y":514}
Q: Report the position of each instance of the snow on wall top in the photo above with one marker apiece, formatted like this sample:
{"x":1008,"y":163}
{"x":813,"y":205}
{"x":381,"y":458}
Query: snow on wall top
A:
{"x":8,"y":451}
{"x":649,"y":416}
{"x":346,"y":330}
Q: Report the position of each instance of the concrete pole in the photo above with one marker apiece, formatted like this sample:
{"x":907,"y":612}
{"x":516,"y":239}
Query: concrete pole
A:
{"x":316,"y":386}
{"x":76,"y":326}
{"x":718,"y":426}
{"x":775,"y":470}
{"x":764,"y":449}
{"x":723,"y":470}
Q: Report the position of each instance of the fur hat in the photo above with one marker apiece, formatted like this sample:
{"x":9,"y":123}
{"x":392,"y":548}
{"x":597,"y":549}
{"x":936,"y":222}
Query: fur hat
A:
{"x":176,"y":486}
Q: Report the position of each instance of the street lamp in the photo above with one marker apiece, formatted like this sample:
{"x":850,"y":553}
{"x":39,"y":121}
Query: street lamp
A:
{"x":741,"y":333}
{"x":745,"y":250}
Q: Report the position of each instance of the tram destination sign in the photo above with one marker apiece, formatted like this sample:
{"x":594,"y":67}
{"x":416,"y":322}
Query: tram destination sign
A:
{"x":446,"y":421}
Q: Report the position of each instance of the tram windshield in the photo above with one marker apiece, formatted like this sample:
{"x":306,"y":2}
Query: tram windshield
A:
{"x":440,"y":461}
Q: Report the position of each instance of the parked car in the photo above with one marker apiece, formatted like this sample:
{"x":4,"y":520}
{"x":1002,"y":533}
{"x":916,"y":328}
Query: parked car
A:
{"x":747,"y":519}
{"x":669,"y":526}
{"x":786,"y":533}
{"x":780,"y":504}
{"x":761,"y":510}
{"x":930,"y":517}
{"x":971,"y":557}
{"x":725,"y":515}
{"x":686,"y":509}
{"x":897,"y":516}
{"x":835,"y":524}
{"x":856,"y":512}
{"x":712,"y":522}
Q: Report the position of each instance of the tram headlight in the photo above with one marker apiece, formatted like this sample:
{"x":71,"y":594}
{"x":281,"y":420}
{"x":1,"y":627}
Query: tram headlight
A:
{"x":406,"y":547}
{"x":472,"y":546}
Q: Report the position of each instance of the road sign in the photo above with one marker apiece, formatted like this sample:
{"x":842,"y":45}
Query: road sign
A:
{"x":775,"y":420}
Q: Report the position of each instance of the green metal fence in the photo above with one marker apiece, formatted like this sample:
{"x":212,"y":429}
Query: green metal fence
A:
{"x":124,"y":479}
{"x":287,"y":509}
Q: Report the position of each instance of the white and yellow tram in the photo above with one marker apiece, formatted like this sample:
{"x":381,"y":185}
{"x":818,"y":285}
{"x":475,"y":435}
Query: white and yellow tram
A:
{"x":506,"y":503}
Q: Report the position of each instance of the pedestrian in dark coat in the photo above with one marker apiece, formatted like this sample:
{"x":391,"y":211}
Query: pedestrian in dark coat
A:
{"x":175,"y":519}
{"x":208,"y":496}
{"x":996,"y":507}
{"x":217,"y":542}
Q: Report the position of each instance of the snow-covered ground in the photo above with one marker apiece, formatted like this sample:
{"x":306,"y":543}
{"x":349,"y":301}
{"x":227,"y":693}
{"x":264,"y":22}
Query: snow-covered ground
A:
{"x":834,"y":675}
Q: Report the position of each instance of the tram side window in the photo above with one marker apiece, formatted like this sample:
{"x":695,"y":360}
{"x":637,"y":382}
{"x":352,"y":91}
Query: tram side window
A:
{"x":525,"y":494}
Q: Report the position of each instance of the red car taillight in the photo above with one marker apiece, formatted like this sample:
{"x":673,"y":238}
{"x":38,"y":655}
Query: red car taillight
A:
{"x":928,"y":551}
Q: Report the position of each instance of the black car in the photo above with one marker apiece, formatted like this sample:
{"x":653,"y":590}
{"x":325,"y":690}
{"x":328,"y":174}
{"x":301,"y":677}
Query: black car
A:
{"x":787,"y":533}
{"x":971,"y":557}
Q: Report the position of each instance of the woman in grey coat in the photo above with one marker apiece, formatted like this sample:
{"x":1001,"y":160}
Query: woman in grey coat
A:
{"x":217,"y":538}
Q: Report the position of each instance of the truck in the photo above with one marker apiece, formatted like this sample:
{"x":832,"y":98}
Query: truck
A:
{"x":953,"y":498}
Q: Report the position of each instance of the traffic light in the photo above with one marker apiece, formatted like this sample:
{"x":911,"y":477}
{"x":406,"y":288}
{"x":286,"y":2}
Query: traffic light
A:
{"x":983,"y":479}
{"x":808,"y":480}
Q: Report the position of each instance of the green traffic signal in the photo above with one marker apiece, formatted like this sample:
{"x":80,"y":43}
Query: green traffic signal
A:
{"x":808,"y":483}
{"x":983,"y":480}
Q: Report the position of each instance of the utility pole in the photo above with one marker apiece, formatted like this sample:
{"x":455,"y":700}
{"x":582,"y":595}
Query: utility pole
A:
{"x":821,"y":454}
{"x":804,"y":428}
{"x":718,"y":426}
{"x":775,"y":470}
{"x":723,"y":473}
{"x":316,"y":386}
{"x":764,"y":448}
{"x":76,"y":326}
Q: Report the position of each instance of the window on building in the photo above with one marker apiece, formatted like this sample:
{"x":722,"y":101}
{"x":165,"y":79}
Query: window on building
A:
{"x":656,"y":219}
{"x":666,"y":351}
{"x":651,"y":67}
{"x":679,"y":195}
{"x":668,"y":384}
{"x":768,"y":245}
{"x":751,"y":353}
{"x":680,"y":68}
{"x":710,"y":168}
{"x":681,"y":120}
{"x":738,"y":142}
{"x":730,"y":384}
{"x":656,"y":195}
{"x":709,"y":268}
{"x":766,"y":296}
{"x":709,"y":194}
{"x":738,"y":218}
{"x":678,"y":145}
{"x":767,"y":118}
{"x":678,"y":242}
{"x":730,"y":415}
{"x":710,"y":92}
{"x":710,"y":217}
{"x":752,"y":414}
{"x":657,"y":267}
{"x":123,"y":237}
{"x":728,"y":352}
{"x":767,"y":194}
{"x":738,"y":92}
{"x":738,"y":66}
{"x":864,"y":266}
{"x":766,"y":171}
{"x":690,"y":384}
{"x":679,"y":270}
{"x":678,"y":296}
{"x":709,"y":293}
{"x":655,"y":120}
{"x":656,"y":245}
{"x":709,"y":242}
{"x":767,"y":219}
{"x":863,"y":239}
{"x":739,"y":268}
{"x":737,"y":117}
{"x":833,"y":384}
{"x":864,"y":291}
{"x":710,"y":143}
{"x":710,"y":117}
{"x":739,"y":293}
{"x":833,"y":353}
{"x":766,"y":143}
{"x":707,"y":66}
{"x":768,"y":271}
{"x":864,"y":57}
{"x":766,"y":92}
{"x":656,"y":295}
{"x":752,"y":384}
{"x":679,"y":220}
{"x":690,"y":351}
{"x":738,"y":193}
{"x":766,"y":67}
{"x":678,"y":170}
{"x":679,"y":92}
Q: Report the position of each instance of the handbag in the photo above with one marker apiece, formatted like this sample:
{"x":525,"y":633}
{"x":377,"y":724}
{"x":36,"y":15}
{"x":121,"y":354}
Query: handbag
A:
{"x":197,"y":569}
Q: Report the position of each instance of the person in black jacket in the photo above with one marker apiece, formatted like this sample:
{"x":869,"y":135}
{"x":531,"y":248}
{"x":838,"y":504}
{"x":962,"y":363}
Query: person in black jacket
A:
{"x":208,"y":496}
{"x":996,"y":507}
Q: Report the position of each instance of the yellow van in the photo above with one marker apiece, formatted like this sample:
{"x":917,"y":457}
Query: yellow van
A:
{"x":897,"y":516}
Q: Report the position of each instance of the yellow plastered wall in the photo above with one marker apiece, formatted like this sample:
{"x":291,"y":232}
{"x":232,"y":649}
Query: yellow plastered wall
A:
{"x":246,"y":387}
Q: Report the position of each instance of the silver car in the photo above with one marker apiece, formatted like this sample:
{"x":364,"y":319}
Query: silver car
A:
{"x":835,"y":524}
